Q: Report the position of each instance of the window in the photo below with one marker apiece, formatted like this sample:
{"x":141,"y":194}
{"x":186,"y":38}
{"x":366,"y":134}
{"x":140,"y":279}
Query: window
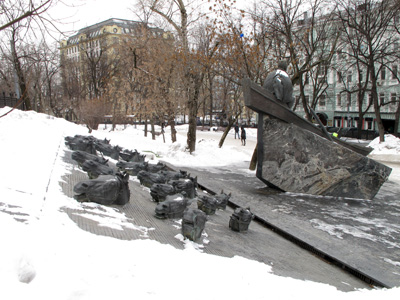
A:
{"x":370,"y":99}
{"x":383,"y":73}
{"x":349,"y":122}
{"x":349,"y":77}
{"x":394,"y":72}
{"x":348,"y":99}
{"x":393,"y":98}
{"x":322,"y":69}
{"x":381,"y":98}
{"x":322,"y":101}
{"x":368,"y":124}
{"x":338,"y":122}
{"x":339,"y":76}
{"x":338,"y":100}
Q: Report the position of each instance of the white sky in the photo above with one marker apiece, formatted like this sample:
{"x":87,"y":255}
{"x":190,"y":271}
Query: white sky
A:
{"x":77,"y":14}
{"x":65,"y":262}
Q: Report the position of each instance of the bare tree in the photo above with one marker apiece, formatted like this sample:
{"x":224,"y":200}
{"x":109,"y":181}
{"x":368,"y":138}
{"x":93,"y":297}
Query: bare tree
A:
{"x":151,"y":59}
{"x":176,"y":13}
{"x":242,"y":51}
{"x":304,"y":29}
{"x":351,"y":73}
{"x":373,"y":22}
{"x":18,"y":21}
{"x":17,"y":63}
{"x":16,"y":11}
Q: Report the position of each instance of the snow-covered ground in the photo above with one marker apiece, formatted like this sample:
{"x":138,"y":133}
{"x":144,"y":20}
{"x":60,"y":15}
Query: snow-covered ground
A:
{"x":44,"y":255}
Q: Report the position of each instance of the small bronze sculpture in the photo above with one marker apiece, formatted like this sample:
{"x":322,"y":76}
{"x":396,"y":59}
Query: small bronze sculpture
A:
{"x":240,"y":219}
{"x":148,"y":178}
{"x":80,"y":156}
{"x":132,"y":156}
{"x":187,"y":187}
{"x":172,"y":175}
{"x":222,"y":200}
{"x":193,"y":223}
{"x":108,"y":150}
{"x":94,"y":169}
{"x":82,"y":143}
{"x":132,"y":168}
{"x":207,"y":203}
{"x":106,"y":190}
{"x":172,"y":207}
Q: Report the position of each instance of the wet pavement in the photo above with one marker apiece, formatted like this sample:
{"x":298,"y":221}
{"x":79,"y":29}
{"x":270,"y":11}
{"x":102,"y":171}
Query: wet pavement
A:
{"x":363,"y":235}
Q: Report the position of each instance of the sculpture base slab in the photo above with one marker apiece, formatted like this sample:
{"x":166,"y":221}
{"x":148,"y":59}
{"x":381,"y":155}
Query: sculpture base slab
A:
{"x":296,"y":160}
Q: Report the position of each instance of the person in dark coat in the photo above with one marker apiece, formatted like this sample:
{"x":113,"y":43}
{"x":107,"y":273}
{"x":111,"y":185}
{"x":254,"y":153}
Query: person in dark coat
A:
{"x":243,"y":136}
{"x":279,"y":83}
{"x":237,"y":131}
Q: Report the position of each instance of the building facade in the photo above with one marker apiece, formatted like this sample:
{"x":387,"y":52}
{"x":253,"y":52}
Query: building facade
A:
{"x":344,"y":75}
{"x":92,"y":64}
{"x":340,"y":107}
{"x":103,"y":35}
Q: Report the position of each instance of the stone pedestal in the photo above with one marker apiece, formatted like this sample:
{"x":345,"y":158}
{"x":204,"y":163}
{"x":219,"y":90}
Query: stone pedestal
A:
{"x":299,"y":161}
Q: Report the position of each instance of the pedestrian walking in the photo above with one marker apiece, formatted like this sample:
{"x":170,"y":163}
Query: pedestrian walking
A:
{"x":237,"y":131}
{"x":243,"y":136}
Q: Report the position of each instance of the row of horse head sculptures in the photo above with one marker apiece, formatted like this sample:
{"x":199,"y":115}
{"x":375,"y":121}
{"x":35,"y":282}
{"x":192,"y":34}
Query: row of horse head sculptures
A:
{"x":175,"y":192}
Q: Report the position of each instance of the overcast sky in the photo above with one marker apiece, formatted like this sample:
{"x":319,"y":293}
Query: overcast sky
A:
{"x":77,"y":14}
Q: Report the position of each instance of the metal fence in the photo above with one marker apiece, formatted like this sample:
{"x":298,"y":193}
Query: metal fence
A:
{"x":10,"y":101}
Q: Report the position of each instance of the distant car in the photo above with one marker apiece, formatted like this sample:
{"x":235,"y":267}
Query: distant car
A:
{"x":332,"y":129}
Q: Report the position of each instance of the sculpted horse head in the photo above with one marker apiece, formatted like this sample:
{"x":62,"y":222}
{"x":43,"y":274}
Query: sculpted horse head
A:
{"x":106,"y":190}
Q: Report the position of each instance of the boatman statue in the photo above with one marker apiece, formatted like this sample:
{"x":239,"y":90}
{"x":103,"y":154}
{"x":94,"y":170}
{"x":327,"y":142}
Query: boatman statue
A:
{"x":278,"y":82}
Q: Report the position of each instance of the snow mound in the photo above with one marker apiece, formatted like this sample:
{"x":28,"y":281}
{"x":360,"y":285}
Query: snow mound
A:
{"x":391,"y":145}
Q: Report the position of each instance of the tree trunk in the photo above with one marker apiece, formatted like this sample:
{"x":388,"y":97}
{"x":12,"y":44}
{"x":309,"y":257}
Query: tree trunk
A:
{"x":231,"y":121}
{"x":191,"y":135}
{"x":375,"y":99}
{"x":20,"y":77}
{"x":397,"y":119}
{"x":360,"y":115}
{"x":210,"y":84}
{"x":153,"y":131}
{"x":225,"y":134}
{"x":171,"y":123}
{"x":303,"y":99}
{"x":192,"y":106}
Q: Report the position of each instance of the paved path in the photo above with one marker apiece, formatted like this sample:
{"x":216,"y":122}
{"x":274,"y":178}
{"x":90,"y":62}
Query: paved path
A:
{"x":259,"y":243}
{"x":361,"y":234}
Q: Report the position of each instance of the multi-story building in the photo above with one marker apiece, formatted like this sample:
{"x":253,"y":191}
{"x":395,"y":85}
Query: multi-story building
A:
{"x":104,"y":34}
{"x":91,"y":61}
{"x":341,"y":107}
{"x":338,"y":102}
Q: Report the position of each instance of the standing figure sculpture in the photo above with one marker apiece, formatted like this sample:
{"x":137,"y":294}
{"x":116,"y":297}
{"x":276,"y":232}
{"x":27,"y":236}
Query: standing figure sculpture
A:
{"x":279,"y":83}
